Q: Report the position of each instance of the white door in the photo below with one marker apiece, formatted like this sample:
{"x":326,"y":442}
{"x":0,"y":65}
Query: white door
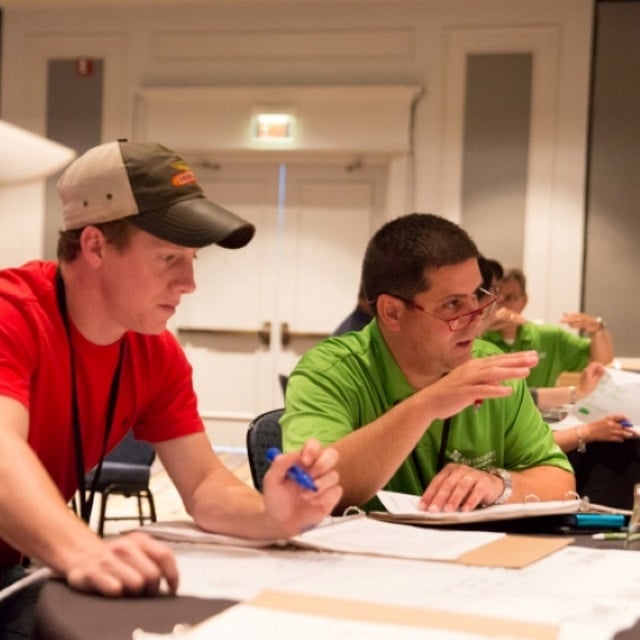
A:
{"x":258,"y":309}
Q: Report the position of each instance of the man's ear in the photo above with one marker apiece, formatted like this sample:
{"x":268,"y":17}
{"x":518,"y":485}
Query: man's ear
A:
{"x":92,"y":243}
{"x":390,"y":311}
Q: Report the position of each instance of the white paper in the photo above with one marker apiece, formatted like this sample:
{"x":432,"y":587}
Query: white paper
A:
{"x":188,"y":531}
{"x":617,"y":392}
{"x":360,"y":534}
{"x":406,"y":505}
{"x":351,"y":534}
{"x":589,"y":593}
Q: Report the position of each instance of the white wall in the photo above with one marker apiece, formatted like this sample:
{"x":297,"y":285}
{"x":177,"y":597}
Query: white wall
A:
{"x":416,"y":42}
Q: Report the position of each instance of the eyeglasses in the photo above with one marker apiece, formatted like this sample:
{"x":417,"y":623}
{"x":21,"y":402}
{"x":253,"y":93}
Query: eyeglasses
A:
{"x":462,"y":321}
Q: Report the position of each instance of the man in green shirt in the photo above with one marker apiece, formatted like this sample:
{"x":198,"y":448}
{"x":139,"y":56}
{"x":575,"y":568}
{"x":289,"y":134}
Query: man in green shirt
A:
{"x":404,"y":401}
{"x":559,"y":350}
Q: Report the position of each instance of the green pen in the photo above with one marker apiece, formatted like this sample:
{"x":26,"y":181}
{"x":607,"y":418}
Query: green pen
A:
{"x":610,"y":535}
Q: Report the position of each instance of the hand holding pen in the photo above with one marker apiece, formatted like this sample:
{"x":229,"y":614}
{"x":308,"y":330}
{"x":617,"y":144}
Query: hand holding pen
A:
{"x":613,"y":428}
{"x":295,"y":472}
{"x":300,"y":488}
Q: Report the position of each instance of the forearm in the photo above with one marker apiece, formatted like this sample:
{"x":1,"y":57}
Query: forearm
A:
{"x":601,"y":347}
{"x":569,"y":439}
{"x":39,"y":523}
{"x":372,"y":454}
{"x":224,"y":504}
{"x":542,"y":482}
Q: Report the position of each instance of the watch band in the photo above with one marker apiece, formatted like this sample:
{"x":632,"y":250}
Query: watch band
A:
{"x":582,"y":443}
{"x":508,"y":484}
{"x":602,"y":325}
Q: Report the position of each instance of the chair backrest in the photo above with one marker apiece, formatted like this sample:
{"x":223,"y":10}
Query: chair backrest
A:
{"x":263,"y":432}
{"x":283,"y":379}
{"x":132,"y":451}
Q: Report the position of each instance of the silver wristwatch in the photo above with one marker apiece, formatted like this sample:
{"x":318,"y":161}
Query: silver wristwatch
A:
{"x":508,"y":484}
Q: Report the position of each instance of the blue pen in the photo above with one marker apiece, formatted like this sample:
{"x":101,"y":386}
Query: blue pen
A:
{"x":294,"y":472}
{"x":626,"y":423}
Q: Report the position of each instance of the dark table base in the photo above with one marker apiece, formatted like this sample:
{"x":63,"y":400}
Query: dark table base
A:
{"x":65,"y":614}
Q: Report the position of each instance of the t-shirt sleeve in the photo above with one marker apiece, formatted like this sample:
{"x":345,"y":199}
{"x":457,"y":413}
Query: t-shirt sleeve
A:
{"x":573,"y":351}
{"x":317,"y":406}
{"x":18,"y":353}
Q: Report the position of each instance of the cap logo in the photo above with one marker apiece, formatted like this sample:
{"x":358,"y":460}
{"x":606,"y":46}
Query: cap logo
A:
{"x":185,"y":175}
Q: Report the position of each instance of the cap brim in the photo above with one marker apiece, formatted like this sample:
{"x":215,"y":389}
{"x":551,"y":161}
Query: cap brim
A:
{"x":196,"y":222}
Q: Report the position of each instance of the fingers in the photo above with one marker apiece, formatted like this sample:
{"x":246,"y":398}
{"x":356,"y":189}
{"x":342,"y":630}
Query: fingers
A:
{"x":317,"y":462}
{"x":611,"y":429}
{"x":493,"y":370}
{"x":581,"y":321}
{"x":509,"y":317}
{"x":133,"y":565}
{"x":460,"y":488}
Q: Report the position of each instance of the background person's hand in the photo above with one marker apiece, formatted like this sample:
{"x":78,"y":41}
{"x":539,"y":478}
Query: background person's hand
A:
{"x":608,"y":429}
{"x":504,"y":318}
{"x":589,"y":379}
{"x":582,"y":322}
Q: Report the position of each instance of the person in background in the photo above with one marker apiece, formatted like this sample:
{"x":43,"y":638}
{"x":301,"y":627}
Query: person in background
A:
{"x":412,"y":402}
{"x":608,"y":429}
{"x":492,"y":273}
{"x":547,"y":399}
{"x":605,"y":470}
{"x":85,"y":356}
{"x":559,"y":350}
{"x":360,"y":317}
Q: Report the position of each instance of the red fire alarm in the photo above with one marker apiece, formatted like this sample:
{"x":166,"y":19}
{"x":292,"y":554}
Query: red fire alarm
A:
{"x":84,"y":66}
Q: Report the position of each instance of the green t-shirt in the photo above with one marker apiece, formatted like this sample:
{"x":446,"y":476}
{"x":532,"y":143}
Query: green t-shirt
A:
{"x":559,"y":350}
{"x":348,"y":381}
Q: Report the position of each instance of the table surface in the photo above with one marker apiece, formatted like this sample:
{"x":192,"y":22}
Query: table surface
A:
{"x":65,"y":614}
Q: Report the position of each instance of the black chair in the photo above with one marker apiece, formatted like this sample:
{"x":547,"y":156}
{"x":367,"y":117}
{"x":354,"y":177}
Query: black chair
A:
{"x":126,"y":471}
{"x":283,"y":379}
{"x":263,"y":432}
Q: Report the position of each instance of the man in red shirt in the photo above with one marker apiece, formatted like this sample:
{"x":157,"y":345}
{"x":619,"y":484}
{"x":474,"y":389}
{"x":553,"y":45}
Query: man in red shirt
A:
{"x":85,"y":356}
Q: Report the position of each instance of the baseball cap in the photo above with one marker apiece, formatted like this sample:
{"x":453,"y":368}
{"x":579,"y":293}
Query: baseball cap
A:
{"x":151,"y":186}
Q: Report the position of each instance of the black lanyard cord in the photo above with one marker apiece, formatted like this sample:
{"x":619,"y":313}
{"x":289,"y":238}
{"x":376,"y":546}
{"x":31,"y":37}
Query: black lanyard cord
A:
{"x":86,"y":504}
{"x":443,"y":444}
{"x":441,"y":453}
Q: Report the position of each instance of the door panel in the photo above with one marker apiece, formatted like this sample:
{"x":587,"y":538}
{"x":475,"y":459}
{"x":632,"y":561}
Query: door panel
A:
{"x":258,"y":309}
{"x":234,"y":296}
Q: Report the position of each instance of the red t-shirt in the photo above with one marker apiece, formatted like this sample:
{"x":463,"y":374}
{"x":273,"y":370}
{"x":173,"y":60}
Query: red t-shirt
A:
{"x":155,"y":396}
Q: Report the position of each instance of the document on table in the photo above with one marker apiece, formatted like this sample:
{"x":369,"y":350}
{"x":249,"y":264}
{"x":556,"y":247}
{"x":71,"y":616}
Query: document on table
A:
{"x":188,"y":531}
{"x":402,"y":507}
{"x":361,"y":534}
{"x":350,"y":534}
{"x":275,"y":615}
{"x":590,"y":594}
{"x":617,"y":392}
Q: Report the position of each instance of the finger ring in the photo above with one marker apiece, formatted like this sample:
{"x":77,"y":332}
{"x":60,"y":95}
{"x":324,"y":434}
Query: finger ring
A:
{"x":468,"y":478}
